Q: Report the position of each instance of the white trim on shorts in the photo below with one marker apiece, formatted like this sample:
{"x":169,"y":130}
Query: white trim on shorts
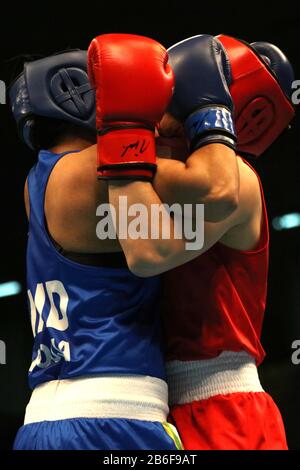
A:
{"x":130,"y":397}
{"x":230,"y":372}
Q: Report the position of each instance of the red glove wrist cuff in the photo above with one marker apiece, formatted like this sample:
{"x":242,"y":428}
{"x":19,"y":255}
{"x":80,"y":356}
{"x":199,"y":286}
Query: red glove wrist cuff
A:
{"x":126,"y":154}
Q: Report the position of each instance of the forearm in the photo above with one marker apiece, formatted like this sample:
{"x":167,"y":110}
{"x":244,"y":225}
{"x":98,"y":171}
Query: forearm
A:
{"x":150,"y":255}
{"x":209,"y":176}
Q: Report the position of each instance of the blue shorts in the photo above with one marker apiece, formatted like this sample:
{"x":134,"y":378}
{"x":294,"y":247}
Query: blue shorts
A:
{"x":97,"y":434}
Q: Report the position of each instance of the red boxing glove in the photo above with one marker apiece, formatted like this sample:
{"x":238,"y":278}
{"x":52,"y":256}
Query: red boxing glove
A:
{"x":134,"y":84}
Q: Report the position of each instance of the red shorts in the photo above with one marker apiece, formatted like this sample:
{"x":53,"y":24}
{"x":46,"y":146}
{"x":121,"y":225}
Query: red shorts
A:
{"x":236,"y":421}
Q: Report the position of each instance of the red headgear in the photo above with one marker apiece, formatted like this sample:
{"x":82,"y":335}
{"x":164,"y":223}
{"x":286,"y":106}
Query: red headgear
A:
{"x":261,"y":87}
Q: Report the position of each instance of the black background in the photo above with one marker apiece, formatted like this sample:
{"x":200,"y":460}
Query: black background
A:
{"x":46,"y":27}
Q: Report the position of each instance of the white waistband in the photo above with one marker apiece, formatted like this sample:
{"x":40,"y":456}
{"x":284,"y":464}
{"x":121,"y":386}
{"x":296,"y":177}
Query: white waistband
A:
{"x":129,"y":397}
{"x":230,"y":372}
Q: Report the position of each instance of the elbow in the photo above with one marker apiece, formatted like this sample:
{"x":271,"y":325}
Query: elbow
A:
{"x":221,"y":204}
{"x":154,"y":259}
{"x":229,"y":203}
{"x":141,"y":269}
{"x":143,"y":265}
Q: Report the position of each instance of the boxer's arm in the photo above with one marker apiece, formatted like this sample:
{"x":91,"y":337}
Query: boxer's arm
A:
{"x":201,"y":111}
{"x":149,"y":257}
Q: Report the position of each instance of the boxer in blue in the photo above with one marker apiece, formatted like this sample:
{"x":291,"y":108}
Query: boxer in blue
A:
{"x":97,"y":369}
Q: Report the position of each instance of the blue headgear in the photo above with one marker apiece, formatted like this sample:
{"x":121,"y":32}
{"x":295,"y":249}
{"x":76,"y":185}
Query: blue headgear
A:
{"x":56,"y":87}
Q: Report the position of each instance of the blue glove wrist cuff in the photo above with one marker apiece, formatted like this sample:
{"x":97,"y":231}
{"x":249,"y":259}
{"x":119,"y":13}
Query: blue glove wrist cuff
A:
{"x":217,"y":120}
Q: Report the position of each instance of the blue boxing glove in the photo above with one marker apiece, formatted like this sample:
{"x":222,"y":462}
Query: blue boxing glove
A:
{"x":202,"y":99}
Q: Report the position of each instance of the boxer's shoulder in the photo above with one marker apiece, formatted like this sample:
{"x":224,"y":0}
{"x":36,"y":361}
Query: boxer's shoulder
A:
{"x":72,"y":195}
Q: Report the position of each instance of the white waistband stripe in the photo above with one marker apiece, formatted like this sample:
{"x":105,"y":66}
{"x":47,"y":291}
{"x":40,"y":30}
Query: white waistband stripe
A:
{"x":138,"y":397}
{"x":231,"y":372}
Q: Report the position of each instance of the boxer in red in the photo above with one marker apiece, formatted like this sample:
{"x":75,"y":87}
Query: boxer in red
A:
{"x":214,"y":304}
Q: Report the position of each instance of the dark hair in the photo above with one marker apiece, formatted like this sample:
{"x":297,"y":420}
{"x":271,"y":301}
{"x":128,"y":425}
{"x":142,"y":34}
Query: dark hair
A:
{"x":46,"y":132}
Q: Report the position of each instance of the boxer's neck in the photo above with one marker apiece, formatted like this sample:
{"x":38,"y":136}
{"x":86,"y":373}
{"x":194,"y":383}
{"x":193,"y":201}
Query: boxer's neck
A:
{"x":74,"y":143}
